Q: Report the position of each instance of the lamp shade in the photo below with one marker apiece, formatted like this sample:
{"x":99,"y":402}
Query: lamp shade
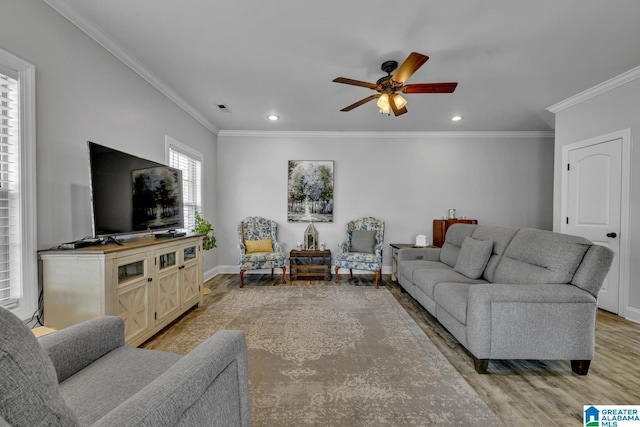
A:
{"x":399,"y":101}
{"x":383,"y":101}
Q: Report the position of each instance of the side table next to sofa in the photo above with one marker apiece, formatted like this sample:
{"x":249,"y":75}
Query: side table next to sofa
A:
{"x":395,"y":247}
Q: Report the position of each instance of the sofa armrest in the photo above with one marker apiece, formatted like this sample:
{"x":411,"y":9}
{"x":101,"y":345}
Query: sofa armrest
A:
{"x":73,"y":348}
{"x":426,"y":254}
{"x":209,"y":386}
{"x":538,"y":321}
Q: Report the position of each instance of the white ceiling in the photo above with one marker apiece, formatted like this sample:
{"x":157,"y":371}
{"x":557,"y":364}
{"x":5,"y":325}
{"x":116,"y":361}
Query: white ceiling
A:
{"x":512,"y":59}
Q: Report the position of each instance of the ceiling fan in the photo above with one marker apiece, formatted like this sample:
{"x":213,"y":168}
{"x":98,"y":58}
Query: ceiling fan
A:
{"x":388,"y":86}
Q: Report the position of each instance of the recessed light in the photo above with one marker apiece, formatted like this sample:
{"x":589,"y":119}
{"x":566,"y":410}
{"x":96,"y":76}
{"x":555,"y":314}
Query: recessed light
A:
{"x":456,"y":118}
{"x":273,"y":117}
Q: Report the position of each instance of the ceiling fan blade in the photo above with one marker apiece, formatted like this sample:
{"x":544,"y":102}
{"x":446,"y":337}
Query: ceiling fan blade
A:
{"x":359,"y":103}
{"x":354,"y":82}
{"x":409,"y":66}
{"x":397,"y":111}
{"x":430,"y":88}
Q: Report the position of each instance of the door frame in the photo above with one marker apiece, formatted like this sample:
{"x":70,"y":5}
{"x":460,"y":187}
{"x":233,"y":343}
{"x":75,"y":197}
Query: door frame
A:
{"x":625,"y":243}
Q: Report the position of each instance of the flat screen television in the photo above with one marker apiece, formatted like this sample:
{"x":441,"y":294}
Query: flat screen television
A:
{"x":132,"y":195}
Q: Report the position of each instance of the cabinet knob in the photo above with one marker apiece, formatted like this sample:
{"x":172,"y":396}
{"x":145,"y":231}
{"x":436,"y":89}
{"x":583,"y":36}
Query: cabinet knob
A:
{"x":150,"y":279}
{"x":612,"y":235}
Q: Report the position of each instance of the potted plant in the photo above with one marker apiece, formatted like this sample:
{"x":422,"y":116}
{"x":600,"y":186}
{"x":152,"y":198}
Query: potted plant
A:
{"x":204,"y":227}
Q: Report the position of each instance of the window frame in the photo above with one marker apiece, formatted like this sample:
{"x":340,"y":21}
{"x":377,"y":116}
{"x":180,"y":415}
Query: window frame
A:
{"x":28,"y":263}
{"x":172,"y":143}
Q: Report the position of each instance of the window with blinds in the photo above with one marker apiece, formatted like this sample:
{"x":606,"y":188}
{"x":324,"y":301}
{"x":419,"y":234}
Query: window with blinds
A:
{"x":191,"y":166}
{"x":10,"y":289}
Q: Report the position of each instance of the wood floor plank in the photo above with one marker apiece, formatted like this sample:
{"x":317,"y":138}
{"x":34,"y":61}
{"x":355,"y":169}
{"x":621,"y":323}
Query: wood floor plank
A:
{"x":520,"y":392}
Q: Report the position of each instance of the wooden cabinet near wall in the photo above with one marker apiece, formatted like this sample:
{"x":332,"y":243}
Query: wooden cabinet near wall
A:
{"x":148,"y":282}
{"x":440,"y":227}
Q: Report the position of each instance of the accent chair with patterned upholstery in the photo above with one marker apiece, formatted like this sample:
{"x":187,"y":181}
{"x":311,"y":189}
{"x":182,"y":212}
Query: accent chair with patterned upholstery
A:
{"x":363,"y":248}
{"x":259,"y":248}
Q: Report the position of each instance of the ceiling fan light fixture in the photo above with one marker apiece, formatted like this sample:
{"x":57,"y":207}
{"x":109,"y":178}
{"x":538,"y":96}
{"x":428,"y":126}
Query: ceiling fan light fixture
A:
{"x":383,"y":101}
{"x":399,"y":101}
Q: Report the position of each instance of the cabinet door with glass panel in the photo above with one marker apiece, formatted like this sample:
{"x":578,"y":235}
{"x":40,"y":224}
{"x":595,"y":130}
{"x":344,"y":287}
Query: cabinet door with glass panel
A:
{"x":191,"y":274}
{"x":168,"y":283}
{"x":134,"y":293}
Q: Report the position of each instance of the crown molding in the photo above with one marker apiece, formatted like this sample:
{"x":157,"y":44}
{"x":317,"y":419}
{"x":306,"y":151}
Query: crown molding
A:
{"x":104,"y":40}
{"x":603,"y":87}
{"x":388,"y":135}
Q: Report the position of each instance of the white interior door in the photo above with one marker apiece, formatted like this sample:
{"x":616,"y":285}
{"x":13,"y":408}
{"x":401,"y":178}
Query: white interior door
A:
{"x":594,"y":205}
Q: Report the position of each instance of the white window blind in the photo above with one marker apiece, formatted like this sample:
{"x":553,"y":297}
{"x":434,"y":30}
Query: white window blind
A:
{"x":10,"y":267}
{"x":191,"y":166}
{"x":18,"y":261}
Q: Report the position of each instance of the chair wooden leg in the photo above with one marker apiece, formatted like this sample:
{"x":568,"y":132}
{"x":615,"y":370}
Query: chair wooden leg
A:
{"x":337,"y":277}
{"x":351,"y":273}
{"x":284,"y":274}
{"x":242,"y":278}
{"x":377,"y":278}
{"x":272,"y":273}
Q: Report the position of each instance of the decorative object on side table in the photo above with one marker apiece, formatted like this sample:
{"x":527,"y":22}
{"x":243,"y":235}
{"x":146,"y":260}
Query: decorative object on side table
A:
{"x":310,"y":237}
{"x":422,"y":241}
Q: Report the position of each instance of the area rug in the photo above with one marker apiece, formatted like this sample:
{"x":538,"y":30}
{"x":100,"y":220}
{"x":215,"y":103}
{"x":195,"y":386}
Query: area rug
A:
{"x":338,"y":356}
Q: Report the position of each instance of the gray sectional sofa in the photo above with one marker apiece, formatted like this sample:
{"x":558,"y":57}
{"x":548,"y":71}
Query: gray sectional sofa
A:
{"x":86,"y":375}
{"x":511,"y":293}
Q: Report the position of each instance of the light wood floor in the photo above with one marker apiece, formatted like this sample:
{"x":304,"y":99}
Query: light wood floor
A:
{"x":521,"y":393}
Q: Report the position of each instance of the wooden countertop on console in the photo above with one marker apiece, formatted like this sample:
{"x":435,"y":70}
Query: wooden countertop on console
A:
{"x":111,"y":247}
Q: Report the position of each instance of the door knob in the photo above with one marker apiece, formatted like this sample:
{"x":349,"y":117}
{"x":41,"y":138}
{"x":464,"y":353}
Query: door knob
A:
{"x":612,"y":235}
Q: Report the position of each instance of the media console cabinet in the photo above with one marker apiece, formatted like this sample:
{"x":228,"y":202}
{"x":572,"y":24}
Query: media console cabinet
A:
{"x":149,"y":282}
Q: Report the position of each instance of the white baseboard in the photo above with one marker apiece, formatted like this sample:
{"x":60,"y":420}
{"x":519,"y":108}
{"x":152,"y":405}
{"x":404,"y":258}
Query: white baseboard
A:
{"x":632,"y":314}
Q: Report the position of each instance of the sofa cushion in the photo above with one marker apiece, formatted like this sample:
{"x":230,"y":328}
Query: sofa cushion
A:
{"x":538,"y":256}
{"x":27,"y":371}
{"x":473,"y":257}
{"x":453,"y":242}
{"x":453,"y":298}
{"x":501,"y":237}
{"x":407,"y":268}
{"x":120,"y":373}
{"x":363,"y":241}
{"x":426,"y":280}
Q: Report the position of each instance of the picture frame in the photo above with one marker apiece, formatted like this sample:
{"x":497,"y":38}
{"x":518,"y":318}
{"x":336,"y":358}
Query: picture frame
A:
{"x":310,"y":190}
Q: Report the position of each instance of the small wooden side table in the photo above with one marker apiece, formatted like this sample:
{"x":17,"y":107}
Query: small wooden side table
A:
{"x":395,"y":248}
{"x":310,"y":264}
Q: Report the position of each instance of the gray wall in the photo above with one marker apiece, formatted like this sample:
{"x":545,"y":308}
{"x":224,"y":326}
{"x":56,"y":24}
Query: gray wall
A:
{"x":84,"y":93}
{"x":499,"y":179}
{"x":611,"y":111}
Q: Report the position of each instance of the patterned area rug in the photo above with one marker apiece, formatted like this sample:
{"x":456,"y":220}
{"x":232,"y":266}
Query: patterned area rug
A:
{"x":339,"y":356}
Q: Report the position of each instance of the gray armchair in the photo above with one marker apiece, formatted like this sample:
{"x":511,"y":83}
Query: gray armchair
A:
{"x":87,"y":375}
